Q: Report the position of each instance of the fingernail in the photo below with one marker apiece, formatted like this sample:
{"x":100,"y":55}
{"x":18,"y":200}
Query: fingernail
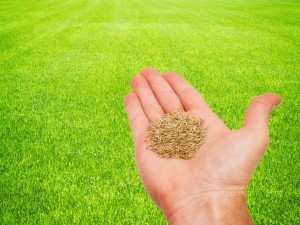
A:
{"x":277,"y":105}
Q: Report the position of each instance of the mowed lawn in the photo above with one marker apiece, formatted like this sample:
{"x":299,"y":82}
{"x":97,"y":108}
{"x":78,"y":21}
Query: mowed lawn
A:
{"x":66,"y":153}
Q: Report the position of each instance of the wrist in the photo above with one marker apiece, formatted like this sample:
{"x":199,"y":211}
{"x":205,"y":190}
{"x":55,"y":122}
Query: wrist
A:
{"x":214,"y":207}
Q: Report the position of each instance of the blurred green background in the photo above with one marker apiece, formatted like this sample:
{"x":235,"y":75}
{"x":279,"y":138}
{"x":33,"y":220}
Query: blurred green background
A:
{"x":66,"y":153}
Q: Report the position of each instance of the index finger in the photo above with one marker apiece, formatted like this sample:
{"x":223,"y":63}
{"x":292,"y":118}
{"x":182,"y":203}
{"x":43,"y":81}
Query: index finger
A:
{"x":138,"y":121}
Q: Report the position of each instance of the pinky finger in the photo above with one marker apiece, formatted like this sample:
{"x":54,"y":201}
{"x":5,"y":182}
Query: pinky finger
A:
{"x":137,"y":119}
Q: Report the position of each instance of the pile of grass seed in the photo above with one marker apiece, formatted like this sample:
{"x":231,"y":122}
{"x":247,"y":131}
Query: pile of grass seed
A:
{"x":176,"y":135}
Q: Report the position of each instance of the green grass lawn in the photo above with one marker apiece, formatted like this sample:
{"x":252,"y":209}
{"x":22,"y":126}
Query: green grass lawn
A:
{"x":66,"y":153}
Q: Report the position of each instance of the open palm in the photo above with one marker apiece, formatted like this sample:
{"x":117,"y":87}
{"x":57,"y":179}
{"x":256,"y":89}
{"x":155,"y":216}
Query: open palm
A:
{"x":226,"y":161}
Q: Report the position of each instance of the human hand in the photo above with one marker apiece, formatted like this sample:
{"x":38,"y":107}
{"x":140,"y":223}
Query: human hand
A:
{"x":211,"y":187}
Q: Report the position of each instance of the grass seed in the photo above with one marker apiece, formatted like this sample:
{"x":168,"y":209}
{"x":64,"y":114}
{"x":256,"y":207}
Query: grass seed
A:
{"x":176,"y":135}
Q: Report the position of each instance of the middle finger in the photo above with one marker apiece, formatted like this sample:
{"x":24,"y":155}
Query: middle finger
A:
{"x":165,"y":95}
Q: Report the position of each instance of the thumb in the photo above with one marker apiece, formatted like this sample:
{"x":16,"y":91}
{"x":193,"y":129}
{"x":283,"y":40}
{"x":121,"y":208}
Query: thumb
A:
{"x":258,"y":112}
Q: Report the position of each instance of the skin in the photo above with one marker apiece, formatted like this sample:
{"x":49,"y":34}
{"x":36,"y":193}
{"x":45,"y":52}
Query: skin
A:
{"x":211,"y":187}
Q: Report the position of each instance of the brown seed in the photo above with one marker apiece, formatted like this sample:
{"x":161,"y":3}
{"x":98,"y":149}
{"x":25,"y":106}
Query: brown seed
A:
{"x":176,"y":135}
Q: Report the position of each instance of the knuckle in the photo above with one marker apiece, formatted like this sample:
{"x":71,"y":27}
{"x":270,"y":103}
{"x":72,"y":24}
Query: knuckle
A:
{"x":166,"y":95}
{"x":262,"y":136}
{"x":138,"y":120}
{"x":186,"y":91}
{"x":152,"y":107}
{"x":258,"y":102}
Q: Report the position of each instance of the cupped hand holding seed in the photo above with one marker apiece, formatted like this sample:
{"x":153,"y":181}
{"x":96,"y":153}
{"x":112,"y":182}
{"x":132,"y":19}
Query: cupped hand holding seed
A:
{"x":209,"y":188}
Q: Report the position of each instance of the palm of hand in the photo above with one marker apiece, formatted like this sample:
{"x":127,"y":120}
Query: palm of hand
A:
{"x":225,"y":162}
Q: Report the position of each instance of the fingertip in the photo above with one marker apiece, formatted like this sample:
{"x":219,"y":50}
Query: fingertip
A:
{"x":149,"y":72}
{"x":278,"y":101}
{"x":270,"y":98}
{"x":134,"y":80}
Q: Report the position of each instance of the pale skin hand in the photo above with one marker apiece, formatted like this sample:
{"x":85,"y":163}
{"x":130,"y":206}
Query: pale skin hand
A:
{"x":211,"y":187}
